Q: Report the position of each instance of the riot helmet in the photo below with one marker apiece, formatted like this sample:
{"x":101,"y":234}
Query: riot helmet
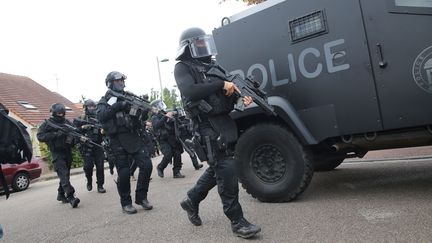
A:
{"x":199,"y":44}
{"x":4,"y":109}
{"x":115,"y":76}
{"x":90,"y":107}
{"x":58,"y":112}
{"x":158,"y":105}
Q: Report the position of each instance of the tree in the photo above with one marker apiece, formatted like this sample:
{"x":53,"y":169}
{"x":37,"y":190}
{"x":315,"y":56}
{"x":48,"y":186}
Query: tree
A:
{"x":170,"y":97}
{"x":249,"y":2}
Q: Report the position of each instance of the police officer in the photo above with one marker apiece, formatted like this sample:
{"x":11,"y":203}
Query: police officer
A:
{"x":60,"y":146}
{"x":122,"y":127}
{"x":7,"y":148}
{"x":171,"y":148}
{"x":92,"y":155}
{"x":185,"y":130}
{"x":214,"y":125}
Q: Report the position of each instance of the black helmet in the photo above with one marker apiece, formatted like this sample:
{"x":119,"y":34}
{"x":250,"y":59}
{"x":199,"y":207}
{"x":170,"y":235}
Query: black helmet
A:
{"x":199,"y":44}
{"x":112,"y":76}
{"x":58,"y":108}
{"x":87,"y":104}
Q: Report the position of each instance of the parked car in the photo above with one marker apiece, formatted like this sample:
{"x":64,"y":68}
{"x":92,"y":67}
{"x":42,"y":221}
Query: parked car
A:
{"x":18,"y":176}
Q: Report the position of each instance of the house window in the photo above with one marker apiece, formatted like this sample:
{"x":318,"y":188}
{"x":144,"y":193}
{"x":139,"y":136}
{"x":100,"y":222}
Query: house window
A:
{"x":27,"y":105}
{"x":68,"y":108}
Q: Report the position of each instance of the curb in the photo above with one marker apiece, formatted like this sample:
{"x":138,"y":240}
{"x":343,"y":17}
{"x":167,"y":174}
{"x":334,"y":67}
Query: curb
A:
{"x":53,"y":175}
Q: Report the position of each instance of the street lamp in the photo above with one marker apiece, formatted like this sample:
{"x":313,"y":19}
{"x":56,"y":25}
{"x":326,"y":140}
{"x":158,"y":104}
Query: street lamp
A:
{"x":160,"y":79}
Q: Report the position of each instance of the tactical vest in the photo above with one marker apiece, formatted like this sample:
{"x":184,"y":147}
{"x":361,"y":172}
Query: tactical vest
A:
{"x":164,"y":131}
{"x":219,"y":102}
{"x":94,"y":133}
{"x":122,"y":122}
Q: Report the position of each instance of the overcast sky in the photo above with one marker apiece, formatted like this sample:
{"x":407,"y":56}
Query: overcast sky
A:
{"x":81,"y":41}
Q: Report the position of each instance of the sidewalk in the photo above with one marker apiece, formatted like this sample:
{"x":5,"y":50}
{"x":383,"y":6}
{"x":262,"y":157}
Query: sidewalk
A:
{"x":380,"y":155}
{"x":53,"y":175}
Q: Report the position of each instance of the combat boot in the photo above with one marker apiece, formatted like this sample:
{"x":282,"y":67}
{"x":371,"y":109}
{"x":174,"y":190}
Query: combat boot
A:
{"x":129,"y":209}
{"x":160,"y":172}
{"x":100,"y":189}
{"x":242,"y":228}
{"x":178,"y":175}
{"x":192,"y":211}
{"x":89,"y":185}
{"x":74,"y":201}
{"x":198,"y":166}
{"x":62,"y":198}
{"x":144,"y":203}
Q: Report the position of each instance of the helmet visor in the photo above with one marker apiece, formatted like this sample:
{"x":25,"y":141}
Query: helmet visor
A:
{"x":202,"y":46}
{"x":158,"y":105}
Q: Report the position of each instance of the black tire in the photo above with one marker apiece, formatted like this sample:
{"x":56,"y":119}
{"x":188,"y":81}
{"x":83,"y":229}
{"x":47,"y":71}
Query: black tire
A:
{"x":327,"y":164}
{"x":271,"y":163}
{"x":21,"y":181}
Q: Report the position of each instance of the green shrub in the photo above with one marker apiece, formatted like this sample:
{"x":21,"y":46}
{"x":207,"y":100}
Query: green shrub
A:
{"x":77,"y":160}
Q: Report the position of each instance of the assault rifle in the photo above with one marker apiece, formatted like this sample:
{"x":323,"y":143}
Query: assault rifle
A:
{"x":73,"y":132}
{"x":91,"y":121}
{"x":247,"y":87}
{"x":136,"y":103}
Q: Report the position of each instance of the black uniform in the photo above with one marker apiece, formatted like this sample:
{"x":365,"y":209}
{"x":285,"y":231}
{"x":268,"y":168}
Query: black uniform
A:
{"x":147,"y":139}
{"x":126,"y":146}
{"x":60,"y":146}
{"x":91,"y":154}
{"x":205,"y":102}
{"x":170,"y":147}
{"x":221,"y":173}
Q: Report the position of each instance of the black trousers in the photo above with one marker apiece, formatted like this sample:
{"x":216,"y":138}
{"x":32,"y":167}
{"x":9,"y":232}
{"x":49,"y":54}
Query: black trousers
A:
{"x":94,"y":156}
{"x":122,"y":162}
{"x":170,"y":153}
{"x":62,"y":167}
{"x":224,"y":177}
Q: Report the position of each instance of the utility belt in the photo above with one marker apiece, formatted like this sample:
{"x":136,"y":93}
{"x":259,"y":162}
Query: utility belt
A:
{"x":216,"y":142}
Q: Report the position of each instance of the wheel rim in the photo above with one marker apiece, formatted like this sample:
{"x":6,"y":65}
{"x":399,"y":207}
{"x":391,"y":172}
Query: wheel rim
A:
{"x":22,"y":182}
{"x":268,"y":163}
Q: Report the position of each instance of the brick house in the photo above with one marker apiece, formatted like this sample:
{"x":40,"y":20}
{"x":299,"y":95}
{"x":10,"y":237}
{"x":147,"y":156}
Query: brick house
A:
{"x":30,"y":102}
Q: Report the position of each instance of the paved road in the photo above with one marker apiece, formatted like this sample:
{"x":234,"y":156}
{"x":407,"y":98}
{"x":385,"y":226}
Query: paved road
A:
{"x":358,"y":202}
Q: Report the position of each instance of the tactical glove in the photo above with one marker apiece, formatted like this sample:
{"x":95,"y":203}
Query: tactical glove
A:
{"x":85,"y":127}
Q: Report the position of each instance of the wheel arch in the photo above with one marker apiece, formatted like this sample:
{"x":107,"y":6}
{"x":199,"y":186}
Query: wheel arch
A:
{"x":286,"y":116}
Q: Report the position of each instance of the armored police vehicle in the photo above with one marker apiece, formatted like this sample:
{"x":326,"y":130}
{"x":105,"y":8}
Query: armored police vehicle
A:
{"x":344,"y":76}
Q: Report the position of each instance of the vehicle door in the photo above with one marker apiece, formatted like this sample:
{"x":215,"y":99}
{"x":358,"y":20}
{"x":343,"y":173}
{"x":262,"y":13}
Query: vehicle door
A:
{"x":400,"y":43}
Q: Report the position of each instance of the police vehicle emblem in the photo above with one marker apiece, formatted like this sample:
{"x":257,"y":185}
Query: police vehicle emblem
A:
{"x":422,"y":70}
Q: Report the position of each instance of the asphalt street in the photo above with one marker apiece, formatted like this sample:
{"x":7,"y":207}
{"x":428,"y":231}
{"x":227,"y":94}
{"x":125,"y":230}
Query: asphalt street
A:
{"x":381,"y":201}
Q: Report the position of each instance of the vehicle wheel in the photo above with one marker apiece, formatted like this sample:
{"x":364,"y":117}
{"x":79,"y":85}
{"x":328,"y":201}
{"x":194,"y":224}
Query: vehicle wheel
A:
{"x":327,"y":164}
{"x":21,"y":182}
{"x":271,"y":163}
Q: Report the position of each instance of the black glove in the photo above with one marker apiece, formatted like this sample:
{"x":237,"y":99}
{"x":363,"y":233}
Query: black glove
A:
{"x":119,"y":106}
